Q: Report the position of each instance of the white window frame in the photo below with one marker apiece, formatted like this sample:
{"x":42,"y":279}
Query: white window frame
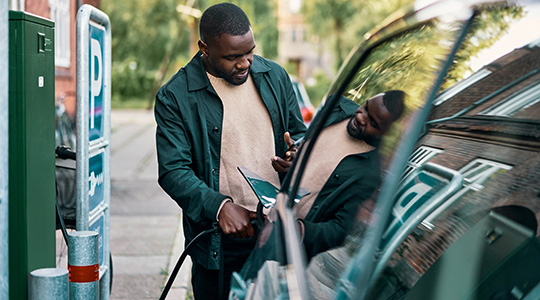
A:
{"x":516,"y":102}
{"x":460,"y":86}
{"x":419,"y":157}
{"x":475,"y":175}
{"x":16,"y":5}
{"x":61,"y":14}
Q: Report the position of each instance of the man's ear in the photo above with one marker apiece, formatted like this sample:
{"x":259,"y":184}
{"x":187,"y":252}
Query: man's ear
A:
{"x":203,"y":47}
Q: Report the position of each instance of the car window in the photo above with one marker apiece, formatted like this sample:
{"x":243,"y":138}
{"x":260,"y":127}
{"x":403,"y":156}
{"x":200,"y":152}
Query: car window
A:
{"x":348,"y":174}
{"x":410,"y":62}
{"x":459,"y":165}
{"x":482,"y":126}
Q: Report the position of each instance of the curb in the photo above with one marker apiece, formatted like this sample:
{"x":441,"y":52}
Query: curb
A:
{"x":182,"y":284}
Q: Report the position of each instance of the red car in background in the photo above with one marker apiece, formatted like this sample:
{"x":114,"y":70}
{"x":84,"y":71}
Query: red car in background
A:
{"x":305,"y":105}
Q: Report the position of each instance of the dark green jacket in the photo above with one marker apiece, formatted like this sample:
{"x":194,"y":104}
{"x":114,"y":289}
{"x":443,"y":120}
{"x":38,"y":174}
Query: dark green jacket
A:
{"x":333,"y":213}
{"x":189,"y":117}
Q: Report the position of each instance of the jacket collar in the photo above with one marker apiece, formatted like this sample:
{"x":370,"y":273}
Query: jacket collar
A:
{"x":196,"y":74}
{"x":344,"y":109}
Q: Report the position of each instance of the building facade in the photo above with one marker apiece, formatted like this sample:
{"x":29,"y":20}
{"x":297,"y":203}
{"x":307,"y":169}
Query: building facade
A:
{"x":63,"y":13}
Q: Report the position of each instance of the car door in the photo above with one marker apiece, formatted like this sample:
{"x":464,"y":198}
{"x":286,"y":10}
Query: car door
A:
{"x":414,"y":52}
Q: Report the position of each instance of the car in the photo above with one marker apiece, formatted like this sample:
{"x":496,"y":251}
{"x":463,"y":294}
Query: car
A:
{"x":456,"y":212}
{"x":306,"y":108}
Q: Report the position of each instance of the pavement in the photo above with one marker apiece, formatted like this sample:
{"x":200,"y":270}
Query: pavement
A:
{"x":146,"y":236}
{"x":146,"y":228}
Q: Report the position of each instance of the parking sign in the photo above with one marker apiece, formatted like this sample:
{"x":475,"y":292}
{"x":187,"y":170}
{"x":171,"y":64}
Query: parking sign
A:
{"x":93,"y":131}
{"x":96,"y":70}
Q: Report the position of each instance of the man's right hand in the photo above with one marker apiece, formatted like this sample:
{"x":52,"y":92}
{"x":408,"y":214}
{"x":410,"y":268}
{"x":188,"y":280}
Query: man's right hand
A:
{"x":282,"y":164}
{"x":234,"y":220}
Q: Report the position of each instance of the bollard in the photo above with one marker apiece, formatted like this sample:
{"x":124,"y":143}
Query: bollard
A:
{"x":83,"y":265}
{"x":48,"y":284}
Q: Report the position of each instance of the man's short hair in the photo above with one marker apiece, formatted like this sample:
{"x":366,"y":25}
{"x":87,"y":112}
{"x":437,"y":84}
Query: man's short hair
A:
{"x":223,"y":18}
{"x":394,"y":102}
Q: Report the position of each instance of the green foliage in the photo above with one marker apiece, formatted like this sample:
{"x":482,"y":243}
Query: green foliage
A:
{"x":342,"y":23}
{"x":151,"y":41}
{"x":142,"y":33}
{"x":487,"y":29}
{"x":262,"y":15}
{"x":319,"y":88}
{"x":407,"y":62}
{"x":329,"y":18}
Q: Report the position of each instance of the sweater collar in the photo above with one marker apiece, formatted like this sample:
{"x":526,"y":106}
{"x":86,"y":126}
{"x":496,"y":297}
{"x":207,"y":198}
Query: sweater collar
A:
{"x":196,"y":74}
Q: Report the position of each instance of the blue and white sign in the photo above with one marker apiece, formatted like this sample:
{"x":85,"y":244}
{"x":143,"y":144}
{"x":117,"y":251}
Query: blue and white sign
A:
{"x":94,"y":132}
{"x":96,"y":90}
{"x":96,"y":189}
{"x":411,"y":196}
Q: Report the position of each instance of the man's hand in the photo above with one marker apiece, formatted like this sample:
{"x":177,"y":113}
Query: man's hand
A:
{"x":282,"y":164}
{"x":234,"y":220}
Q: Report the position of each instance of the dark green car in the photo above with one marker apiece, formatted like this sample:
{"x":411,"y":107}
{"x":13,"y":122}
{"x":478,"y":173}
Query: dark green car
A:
{"x":456,"y":213}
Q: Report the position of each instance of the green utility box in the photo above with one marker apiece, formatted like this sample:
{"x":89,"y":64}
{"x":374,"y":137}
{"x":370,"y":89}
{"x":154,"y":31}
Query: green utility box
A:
{"x":32,"y":222}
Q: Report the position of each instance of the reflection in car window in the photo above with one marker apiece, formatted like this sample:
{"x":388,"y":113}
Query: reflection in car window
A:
{"x":408,"y":62}
{"x":493,"y":156}
{"x":485,"y":123}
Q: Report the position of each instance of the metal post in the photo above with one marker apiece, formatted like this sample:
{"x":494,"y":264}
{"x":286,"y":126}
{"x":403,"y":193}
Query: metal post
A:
{"x":48,"y":284}
{"x":83,"y":265}
{"x":4,"y":83}
{"x":93,"y":144}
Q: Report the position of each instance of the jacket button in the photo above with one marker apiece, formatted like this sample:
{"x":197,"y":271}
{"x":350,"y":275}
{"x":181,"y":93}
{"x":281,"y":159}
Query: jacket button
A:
{"x":214,"y":171}
{"x":336,"y":176}
{"x":214,"y":254}
{"x":215,"y":129}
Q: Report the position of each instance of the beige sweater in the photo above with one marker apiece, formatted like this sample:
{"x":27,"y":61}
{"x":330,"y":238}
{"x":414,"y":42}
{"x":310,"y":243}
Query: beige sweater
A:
{"x":247,"y":139}
{"x":333,"y":145}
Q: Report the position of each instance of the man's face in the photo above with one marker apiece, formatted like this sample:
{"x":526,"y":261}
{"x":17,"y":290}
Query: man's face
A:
{"x":229,"y":57}
{"x":371,"y":121}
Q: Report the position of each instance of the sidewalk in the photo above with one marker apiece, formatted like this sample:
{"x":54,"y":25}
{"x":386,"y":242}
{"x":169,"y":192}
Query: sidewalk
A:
{"x":146,"y":229}
{"x":146,"y":233}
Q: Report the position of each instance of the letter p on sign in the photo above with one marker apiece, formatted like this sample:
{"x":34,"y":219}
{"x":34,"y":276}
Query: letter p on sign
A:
{"x":96,"y":76}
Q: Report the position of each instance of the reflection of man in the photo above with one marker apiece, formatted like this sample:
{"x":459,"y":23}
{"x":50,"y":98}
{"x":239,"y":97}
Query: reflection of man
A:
{"x":227,"y":107}
{"x":344,"y":169}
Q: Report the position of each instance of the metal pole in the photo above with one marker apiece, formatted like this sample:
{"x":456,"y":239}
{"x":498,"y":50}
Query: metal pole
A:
{"x":87,"y":216}
{"x":48,"y":284}
{"x":83,"y":265}
{"x":4,"y":83}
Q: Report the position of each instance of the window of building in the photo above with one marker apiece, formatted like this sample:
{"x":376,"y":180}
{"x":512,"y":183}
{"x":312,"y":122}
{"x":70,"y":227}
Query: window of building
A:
{"x":475,"y":175}
{"x":418,"y":158}
{"x":60,"y":13}
{"x":516,"y":102}
{"x":16,"y":5}
{"x":460,"y":86}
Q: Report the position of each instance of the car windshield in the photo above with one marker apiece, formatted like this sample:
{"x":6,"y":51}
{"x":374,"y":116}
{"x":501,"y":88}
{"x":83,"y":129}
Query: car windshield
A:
{"x":427,"y":140}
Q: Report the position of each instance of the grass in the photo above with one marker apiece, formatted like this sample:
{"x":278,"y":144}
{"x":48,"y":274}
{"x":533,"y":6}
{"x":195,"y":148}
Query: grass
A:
{"x":129,"y":103}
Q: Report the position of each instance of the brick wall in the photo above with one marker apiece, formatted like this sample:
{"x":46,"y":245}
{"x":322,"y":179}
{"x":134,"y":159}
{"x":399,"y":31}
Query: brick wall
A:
{"x":65,"y":80}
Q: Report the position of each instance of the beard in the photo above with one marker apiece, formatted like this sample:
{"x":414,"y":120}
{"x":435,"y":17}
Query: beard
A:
{"x":230,"y":77}
{"x":359,"y":134}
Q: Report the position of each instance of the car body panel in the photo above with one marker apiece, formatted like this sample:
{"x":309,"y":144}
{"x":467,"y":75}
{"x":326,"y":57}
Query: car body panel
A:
{"x":480,"y":125}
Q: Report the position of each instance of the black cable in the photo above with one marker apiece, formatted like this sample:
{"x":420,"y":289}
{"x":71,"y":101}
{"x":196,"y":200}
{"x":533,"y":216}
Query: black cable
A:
{"x":181,"y":261}
{"x":64,"y":152}
{"x":62,"y":224}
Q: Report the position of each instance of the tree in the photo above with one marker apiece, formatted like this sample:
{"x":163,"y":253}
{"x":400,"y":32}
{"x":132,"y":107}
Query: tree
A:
{"x":345,"y":22}
{"x":151,"y":41}
{"x":143,"y":31}
{"x":329,"y":18}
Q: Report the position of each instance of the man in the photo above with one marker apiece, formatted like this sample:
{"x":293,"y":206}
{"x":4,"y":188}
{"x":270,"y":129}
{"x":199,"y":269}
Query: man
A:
{"x":343,"y":169}
{"x":226,"y":107}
